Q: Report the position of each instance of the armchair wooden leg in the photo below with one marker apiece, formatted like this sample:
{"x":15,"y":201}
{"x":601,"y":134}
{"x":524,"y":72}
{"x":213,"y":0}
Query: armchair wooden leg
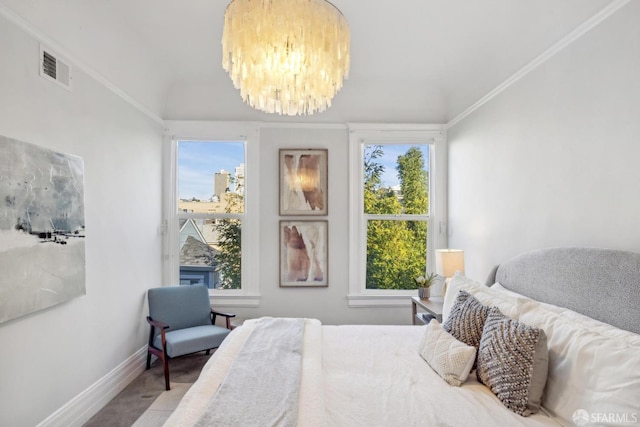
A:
{"x":148,"y":359}
{"x":165,"y":363}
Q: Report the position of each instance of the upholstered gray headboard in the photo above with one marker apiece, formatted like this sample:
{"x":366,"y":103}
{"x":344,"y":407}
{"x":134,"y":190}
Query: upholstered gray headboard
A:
{"x":601,"y":283}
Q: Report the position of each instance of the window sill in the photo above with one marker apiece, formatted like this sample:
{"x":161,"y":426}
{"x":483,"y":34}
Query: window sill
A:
{"x":234,"y":300}
{"x":396,"y":300}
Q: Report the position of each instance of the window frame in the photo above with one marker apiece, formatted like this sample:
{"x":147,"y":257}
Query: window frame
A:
{"x":249,"y":293}
{"x":367,"y":134}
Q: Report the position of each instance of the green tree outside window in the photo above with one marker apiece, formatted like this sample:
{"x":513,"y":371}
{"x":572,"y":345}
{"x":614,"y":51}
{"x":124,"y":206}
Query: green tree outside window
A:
{"x":396,"y":249}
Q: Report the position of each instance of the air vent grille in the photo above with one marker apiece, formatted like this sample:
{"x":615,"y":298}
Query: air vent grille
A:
{"x":49,"y":65}
{"x":54,"y":69}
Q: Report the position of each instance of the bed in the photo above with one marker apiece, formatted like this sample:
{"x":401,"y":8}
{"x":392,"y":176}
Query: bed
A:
{"x":582,"y":301}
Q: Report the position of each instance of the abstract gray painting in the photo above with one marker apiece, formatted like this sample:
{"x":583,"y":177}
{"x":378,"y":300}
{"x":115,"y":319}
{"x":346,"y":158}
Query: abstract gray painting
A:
{"x":42,"y":258}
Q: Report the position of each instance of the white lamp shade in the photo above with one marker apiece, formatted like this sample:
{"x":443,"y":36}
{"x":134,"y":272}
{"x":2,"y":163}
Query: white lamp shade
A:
{"x":448,"y":261}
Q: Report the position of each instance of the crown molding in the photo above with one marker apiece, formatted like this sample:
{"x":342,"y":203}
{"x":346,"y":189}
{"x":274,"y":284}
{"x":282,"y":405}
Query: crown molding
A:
{"x":396,"y":127}
{"x":582,"y":29}
{"x":302,"y":125}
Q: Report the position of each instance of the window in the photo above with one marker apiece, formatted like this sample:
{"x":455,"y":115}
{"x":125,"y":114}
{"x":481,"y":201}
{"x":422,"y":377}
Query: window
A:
{"x":210,"y":207}
{"x":396,"y":211}
{"x":393,"y":211}
{"x":211,"y":211}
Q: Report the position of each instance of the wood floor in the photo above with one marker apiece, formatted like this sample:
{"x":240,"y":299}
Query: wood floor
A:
{"x":137,"y":397}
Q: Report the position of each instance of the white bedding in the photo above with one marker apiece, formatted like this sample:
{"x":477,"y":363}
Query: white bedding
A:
{"x":365,"y":376}
{"x":374,"y":376}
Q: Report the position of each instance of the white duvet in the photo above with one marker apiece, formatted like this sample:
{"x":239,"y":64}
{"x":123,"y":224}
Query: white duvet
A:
{"x":364,"y":376}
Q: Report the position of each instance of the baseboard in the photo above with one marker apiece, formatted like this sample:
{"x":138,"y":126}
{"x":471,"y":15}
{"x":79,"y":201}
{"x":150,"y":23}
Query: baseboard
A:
{"x":81,"y":408}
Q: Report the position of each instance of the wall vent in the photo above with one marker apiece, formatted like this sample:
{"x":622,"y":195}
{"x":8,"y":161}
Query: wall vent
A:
{"x":54,"y":69}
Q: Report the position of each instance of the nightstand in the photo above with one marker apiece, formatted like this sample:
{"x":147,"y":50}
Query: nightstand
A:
{"x":432,"y":306}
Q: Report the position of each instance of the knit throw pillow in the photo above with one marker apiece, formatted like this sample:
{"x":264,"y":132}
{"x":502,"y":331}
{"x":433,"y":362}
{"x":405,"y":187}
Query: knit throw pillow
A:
{"x":513,"y":362}
{"x":466,"y":319}
{"x":450,"y":358}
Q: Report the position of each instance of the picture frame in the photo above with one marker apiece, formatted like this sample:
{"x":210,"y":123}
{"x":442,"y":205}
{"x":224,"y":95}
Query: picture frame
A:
{"x":304,"y":253}
{"x":303,"y":181}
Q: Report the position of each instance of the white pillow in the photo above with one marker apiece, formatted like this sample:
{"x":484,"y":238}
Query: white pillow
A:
{"x":450,"y":358}
{"x":588,"y":322}
{"x":509,"y":305}
{"x":458,"y":281}
{"x":596,"y":369}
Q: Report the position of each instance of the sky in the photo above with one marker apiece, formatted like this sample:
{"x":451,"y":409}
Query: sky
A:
{"x":199,"y":161}
{"x":390,"y":158}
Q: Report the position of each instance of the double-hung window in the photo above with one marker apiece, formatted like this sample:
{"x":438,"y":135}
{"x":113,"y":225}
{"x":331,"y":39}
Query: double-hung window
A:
{"x":210,"y":213}
{"x":397,"y":205}
{"x":209,"y":217}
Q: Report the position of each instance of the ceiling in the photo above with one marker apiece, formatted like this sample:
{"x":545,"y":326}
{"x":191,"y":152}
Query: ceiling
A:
{"x":412,"y":61}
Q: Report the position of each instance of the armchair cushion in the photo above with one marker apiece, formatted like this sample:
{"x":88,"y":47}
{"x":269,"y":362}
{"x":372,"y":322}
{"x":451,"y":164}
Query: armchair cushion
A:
{"x":180,"y":306}
{"x":192,"y":340}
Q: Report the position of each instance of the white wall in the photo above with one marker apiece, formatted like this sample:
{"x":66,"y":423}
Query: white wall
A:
{"x":51,"y":356}
{"x":329,"y":304}
{"x":553,"y":160}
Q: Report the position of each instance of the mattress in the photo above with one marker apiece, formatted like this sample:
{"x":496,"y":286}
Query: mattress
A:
{"x":364,"y":375}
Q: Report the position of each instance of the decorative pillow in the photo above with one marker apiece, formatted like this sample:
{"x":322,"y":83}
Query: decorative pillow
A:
{"x":466,"y":319}
{"x":450,"y":358}
{"x":458,"y":282}
{"x":513,"y":362}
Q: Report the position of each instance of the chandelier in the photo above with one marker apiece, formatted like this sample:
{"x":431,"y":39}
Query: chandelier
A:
{"x":286,"y":56}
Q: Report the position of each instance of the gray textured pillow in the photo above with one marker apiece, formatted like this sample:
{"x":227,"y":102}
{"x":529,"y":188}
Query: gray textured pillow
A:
{"x":466,"y":319}
{"x":513,"y":362}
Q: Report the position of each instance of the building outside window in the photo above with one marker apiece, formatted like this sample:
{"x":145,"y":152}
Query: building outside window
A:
{"x":210,"y":208}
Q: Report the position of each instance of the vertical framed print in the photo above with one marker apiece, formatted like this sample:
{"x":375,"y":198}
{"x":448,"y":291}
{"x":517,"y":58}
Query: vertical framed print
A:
{"x":303,"y":182}
{"x":303,"y":253}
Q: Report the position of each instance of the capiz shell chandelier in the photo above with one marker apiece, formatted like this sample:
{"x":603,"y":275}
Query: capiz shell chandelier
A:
{"x":286,"y":56}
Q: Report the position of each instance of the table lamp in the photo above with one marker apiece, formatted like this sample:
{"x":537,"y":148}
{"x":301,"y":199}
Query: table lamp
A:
{"x":448,"y":261}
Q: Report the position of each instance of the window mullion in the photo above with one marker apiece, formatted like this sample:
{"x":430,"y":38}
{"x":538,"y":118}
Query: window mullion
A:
{"x":396,"y":217}
{"x":185,"y":215}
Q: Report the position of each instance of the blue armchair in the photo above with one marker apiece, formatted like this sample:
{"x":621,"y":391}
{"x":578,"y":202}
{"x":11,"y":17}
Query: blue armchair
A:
{"x":182,"y":322}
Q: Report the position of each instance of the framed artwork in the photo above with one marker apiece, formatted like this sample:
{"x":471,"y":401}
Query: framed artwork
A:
{"x":303,"y":182}
{"x":42,"y":230}
{"x":303,"y":253}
